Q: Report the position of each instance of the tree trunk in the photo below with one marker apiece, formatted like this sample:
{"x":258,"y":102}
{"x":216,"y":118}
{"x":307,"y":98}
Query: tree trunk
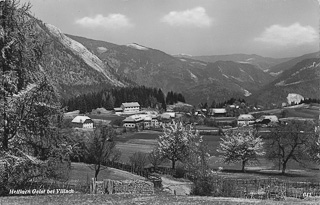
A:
{"x":173,"y":164}
{"x":97,"y":172}
{"x":243,"y":166}
{"x":284,"y":166}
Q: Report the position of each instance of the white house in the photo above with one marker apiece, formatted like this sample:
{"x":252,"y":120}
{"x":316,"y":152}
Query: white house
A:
{"x":218,"y":112}
{"x":82,"y":122}
{"x":245,"y":119}
{"x":130,"y":107}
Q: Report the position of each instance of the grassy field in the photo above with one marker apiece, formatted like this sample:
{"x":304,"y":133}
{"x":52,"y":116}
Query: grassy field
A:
{"x":145,"y":141}
{"x":81,"y":172}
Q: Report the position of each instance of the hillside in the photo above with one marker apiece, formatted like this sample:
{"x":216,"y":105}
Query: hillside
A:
{"x":303,"y":78}
{"x":154,"y":68}
{"x":278,"y":69}
{"x":263,"y":63}
{"x":71,"y":67}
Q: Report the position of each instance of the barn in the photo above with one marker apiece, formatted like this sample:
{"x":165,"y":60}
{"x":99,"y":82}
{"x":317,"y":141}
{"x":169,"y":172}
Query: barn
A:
{"x":82,"y":122}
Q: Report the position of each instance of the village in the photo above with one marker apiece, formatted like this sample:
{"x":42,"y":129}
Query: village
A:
{"x":136,"y":118}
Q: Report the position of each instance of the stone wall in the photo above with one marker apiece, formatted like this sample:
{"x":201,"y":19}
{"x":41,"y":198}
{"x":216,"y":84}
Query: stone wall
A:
{"x":122,"y":186}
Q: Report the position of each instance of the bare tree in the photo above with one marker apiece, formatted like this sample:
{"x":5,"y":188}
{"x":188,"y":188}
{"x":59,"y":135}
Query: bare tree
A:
{"x":155,"y":158}
{"x":100,"y":147}
{"x":138,"y":160}
{"x":290,"y":142}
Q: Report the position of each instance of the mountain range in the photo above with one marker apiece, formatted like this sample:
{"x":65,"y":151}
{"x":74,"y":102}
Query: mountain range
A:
{"x":77,"y":65}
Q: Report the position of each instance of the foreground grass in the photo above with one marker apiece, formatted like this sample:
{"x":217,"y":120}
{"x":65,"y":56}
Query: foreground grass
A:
{"x":82,"y":173}
{"x":158,"y":198}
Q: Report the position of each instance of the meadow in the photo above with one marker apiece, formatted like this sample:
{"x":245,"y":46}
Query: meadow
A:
{"x":145,"y":141}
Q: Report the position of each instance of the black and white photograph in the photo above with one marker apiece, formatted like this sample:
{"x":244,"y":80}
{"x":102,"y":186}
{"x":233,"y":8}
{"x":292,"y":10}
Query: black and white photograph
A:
{"x":159,"y":102}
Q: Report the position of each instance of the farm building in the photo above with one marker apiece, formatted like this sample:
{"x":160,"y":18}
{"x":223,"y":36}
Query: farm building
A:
{"x":226,"y":121}
{"x":245,"y":119}
{"x":82,"y":122}
{"x":130,"y":107}
{"x":272,"y":118}
{"x":118,"y":110}
{"x":133,"y":121}
{"x":217,"y":112}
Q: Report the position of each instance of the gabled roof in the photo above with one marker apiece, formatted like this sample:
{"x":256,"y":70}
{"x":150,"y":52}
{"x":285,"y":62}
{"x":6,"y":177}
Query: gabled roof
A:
{"x":131,"y":104}
{"x":245,"y":117}
{"x":80,"y":119}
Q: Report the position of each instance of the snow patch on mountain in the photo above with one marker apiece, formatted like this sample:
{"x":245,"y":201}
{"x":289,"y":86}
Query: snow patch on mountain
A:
{"x":183,"y":59}
{"x":225,"y":76}
{"x":101,"y":50}
{"x":282,"y":83}
{"x":137,"y":46}
{"x":295,"y":98}
{"x":246,"y":93}
{"x":276,"y":74}
{"x":78,"y":49}
{"x":193,"y":76}
{"x":199,"y":63}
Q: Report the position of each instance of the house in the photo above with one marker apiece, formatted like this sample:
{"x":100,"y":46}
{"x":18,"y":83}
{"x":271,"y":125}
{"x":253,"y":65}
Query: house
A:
{"x":130,"y":107}
{"x":217,"y":112}
{"x":245,"y":120}
{"x":82,"y":122}
{"x":147,"y":122}
{"x":155,"y":121}
{"x":133,"y":121}
{"x":118,"y":110}
{"x":272,"y":118}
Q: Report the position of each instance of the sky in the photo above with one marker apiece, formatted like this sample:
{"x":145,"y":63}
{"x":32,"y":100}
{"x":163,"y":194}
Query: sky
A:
{"x":271,"y":28}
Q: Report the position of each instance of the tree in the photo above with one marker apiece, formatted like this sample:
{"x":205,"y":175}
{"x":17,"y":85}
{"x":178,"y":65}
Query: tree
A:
{"x":29,"y":103}
{"x":174,"y":143}
{"x":290,"y":142}
{"x":155,"y":158}
{"x":138,"y":160}
{"x":240,"y":145}
{"x":99,"y":148}
{"x":197,"y":160}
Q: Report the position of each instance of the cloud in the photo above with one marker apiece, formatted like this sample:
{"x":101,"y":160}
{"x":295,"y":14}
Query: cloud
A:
{"x":112,"y":21}
{"x":193,"y":17}
{"x":293,"y":35}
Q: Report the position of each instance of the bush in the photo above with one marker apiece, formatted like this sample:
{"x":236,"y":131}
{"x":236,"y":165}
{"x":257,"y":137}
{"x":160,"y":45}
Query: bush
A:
{"x":202,"y":187}
{"x":180,"y":172}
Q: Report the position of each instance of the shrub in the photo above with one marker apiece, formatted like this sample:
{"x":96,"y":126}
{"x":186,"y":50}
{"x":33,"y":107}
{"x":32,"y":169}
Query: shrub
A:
{"x":180,"y":172}
{"x":202,"y":187}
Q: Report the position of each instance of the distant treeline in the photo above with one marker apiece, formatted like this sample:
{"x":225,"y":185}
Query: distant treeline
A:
{"x":223,"y":104}
{"x":114,"y":97}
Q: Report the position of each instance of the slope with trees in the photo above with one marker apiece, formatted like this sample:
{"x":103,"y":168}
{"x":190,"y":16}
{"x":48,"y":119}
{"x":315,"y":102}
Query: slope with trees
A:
{"x":29,"y":103}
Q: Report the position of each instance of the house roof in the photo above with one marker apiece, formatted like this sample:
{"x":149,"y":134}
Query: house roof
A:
{"x":131,"y":104}
{"x":270,"y":117}
{"x":219,"y":110}
{"x":117,"y":109}
{"x":80,"y":119}
{"x":168,"y":115}
{"x":133,"y":118}
{"x":245,"y":117}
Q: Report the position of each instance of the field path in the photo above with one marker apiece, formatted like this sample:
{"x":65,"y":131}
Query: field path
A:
{"x":176,"y":187}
